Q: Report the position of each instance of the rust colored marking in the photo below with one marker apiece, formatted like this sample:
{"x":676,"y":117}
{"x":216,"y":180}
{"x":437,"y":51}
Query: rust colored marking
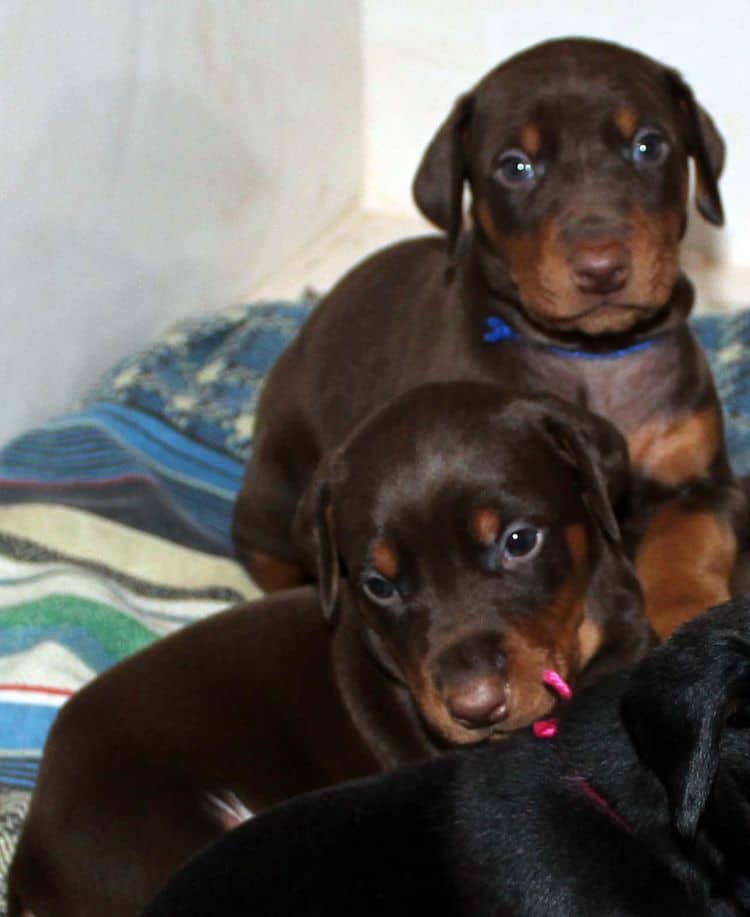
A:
{"x":685,"y":563}
{"x":626,"y":119}
{"x":385,"y":559}
{"x":674,"y":450}
{"x":273,"y":574}
{"x":485,"y":525}
{"x":590,"y":639}
{"x":526,"y":660}
{"x":540,"y":264}
{"x":531,"y":139}
{"x":557,"y":637}
{"x":578,"y":545}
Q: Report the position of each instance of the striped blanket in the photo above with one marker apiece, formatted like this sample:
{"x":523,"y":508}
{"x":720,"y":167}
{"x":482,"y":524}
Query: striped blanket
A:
{"x":114,"y":521}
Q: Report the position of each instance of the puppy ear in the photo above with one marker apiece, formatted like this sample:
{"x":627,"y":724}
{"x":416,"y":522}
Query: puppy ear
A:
{"x":599,"y":453}
{"x":677,"y":701}
{"x":706,"y":146}
{"x":314,"y":526}
{"x":439,"y":183}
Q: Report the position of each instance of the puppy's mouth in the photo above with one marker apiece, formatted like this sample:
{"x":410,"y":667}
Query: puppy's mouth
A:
{"x":605,"y":305}
{"x":603,"y":317}
{"x":527,"y":702}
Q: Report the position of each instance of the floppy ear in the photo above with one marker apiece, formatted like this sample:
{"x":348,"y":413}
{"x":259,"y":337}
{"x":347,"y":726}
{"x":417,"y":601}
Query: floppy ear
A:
{"x":706,"y":146}
{"x":439,"y":183}
{"x":314,"y":525}
{"x":677,"y":701}
{"x":599,"y":453}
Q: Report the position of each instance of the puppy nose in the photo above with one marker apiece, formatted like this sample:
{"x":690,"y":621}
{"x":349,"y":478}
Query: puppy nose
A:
{"x":601,"y":267}
{"x":479,"y":702}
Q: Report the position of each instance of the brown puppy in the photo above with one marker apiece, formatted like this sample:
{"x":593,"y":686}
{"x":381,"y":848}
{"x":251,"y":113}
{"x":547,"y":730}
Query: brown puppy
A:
{"x":476,"y":532}
{"x":565,"y":280}
{"x":480,"y":545}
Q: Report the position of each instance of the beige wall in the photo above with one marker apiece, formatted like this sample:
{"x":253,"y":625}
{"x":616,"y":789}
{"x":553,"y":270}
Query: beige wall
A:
{"x":158,"y":158}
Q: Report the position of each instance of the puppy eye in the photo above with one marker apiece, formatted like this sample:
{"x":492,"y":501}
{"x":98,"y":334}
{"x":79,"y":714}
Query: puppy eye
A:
{"x":520,"y":541}
{"x":515,"y":170}
{"x":649,"y":148}
{"x":379,"y":589}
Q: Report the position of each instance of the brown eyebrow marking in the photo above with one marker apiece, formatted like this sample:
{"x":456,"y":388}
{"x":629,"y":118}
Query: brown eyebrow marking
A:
{"x":626,"y":119}
{"x":485,"y":525}
{"x":385,"y":559}
{"x":531,"y":138}
{"x":578,"y":543}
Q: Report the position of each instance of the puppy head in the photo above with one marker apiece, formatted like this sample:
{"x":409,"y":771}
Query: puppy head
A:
{"x":472,"y":527}
{"x":576,"y":155}
{"x":687,"y":709}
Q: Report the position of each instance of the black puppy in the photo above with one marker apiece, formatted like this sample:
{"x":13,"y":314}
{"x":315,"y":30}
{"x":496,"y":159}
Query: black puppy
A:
{"x":639,"y":806}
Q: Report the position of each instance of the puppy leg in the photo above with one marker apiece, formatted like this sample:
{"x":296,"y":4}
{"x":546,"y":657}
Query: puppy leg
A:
{"x":273,"y":574}
{"x":281,"y":465}
{"x":111,"y":855}
{"x":685,"y":561}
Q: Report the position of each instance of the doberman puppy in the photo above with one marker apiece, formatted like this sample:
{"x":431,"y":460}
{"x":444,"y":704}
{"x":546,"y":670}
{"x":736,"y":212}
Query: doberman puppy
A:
{"x":480,"y":546}
{"x":638,"y":808}
{"x":565,"y":279}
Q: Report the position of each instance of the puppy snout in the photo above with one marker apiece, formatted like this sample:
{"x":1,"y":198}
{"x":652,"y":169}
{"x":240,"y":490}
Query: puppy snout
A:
{"x":479,"y":702}
{"x":472,"y":679}
{"x":601,"y":267}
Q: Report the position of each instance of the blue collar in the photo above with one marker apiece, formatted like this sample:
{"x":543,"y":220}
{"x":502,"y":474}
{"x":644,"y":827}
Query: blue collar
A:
{"x":499,"y":330}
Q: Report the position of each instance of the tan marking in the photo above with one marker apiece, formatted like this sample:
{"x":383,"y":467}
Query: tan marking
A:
{"x":551,"y":638}
{"x":385,"y":559}
{"x":685,"y":563}
{"x":590,"y":639}
{"x":578,"y":545}
{"x":675,"y":450}
{"x":527,"y":660}
{"x":531,"y":139}
{"x":485,"y":525}
{"x":626,"y":119}
{"x":540,"y":265}
{"x":273,"y":574}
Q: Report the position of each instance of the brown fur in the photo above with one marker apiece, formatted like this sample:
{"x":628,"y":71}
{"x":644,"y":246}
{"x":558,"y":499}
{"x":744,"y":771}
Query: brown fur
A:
{"x":685,"y":563}
{"x":155,"y":758}
{"x":431,"y":522}
{"x":547,"y":285}
{"x":582,"y":258}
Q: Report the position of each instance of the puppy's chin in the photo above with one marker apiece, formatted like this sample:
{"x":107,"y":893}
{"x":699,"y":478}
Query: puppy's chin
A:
{"x":600,"y":319}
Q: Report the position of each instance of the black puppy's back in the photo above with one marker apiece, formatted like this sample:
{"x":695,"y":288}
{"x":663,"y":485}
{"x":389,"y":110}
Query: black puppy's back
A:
{"x":507,"y":829}
{"x":333,"y":853}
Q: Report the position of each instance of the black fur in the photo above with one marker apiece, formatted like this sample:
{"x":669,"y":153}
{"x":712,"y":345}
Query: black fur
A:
{"x":512,"y":829}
